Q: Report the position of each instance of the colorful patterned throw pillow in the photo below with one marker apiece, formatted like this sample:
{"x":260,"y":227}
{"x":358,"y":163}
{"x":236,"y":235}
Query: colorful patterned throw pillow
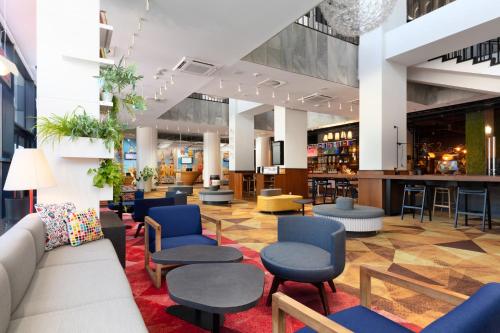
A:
{"x":53,"y":216}
{"x":83,"y":227}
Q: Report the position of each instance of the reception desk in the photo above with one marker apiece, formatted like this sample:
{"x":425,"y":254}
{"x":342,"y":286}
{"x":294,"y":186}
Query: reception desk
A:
{"x":189,"y":177}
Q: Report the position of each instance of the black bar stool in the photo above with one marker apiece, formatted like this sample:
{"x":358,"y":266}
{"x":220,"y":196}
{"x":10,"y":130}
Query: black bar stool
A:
{"x":344,"y":186}
{"x":412,"y":191}
{"x":464,"y":192}
{"x":325,"y":183}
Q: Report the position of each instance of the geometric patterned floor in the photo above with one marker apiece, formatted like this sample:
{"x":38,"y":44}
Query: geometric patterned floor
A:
{"x":434,"y":252}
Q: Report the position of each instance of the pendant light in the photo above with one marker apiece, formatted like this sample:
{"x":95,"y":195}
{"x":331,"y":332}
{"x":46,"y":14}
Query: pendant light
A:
{"x":6,"y":66}
{"x":330,"y":136}
{"x":325,"y":137}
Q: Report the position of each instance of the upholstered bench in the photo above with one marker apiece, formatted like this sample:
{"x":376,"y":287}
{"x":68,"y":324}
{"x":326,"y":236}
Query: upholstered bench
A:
{"x":188,"y":189}
{"x":356,"y":218}
{"x":216,"y":197}
{"x":278,"y":203}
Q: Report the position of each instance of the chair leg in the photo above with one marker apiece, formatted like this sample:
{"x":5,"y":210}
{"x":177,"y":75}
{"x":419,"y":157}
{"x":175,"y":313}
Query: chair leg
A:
{"x":274,"y":288}
{"x":324,"y":298}
{"x":403,"y":205}
{"x":138,"y":231}
{"x":422,"y":207}
{"x":466,"y":209}
{"x":483,"y":221}
{"x":332,"y":286}
{"x":449,"y":203}
{"x":434,"y":201}
{"x":456,"y":207}
{"x":488,"y":203}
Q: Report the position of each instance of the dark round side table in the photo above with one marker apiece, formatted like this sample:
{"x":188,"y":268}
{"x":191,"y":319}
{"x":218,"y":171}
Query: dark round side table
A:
{"x":303,"y":202}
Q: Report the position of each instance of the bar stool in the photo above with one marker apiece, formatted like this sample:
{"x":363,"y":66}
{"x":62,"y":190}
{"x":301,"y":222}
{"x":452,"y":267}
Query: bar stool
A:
{"x":486,"y":207}
{"x":444,"y":193}
{"x":411,"y":191}
{"x":344,"y":186}
{"x":326,"y":185}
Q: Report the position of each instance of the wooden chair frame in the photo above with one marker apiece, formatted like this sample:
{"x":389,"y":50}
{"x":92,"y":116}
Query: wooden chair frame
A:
{"x":283,"y":305}
{"x":156,"y":272}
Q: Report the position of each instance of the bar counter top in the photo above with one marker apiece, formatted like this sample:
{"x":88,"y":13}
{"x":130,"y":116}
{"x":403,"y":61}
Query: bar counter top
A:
{"x":332,"y":175}
{"x":450,"y":178}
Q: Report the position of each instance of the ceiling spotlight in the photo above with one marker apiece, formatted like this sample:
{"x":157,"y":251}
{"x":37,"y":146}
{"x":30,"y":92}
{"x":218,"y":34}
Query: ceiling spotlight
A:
{"x":165,"y":86}
{"x":273,"y":95}
{"x":220,"y":84}
{"x":147,"y":5}
{"x":329,"y":105}
{"x":161,"y":88}
{"x":139,"y":25}
{"x":351,"y":107}
{"x":340,"y":106}
{"x":239,"y":87}
{"x":257,"y":91}
{"x":156,"y":96}
{"x":156,"y":126}
{"x":133,"y":40}
{"x":302,"y":99}
{"x":288,"y":97}
{"x":129,"y":50}
{"x":172,"y":80}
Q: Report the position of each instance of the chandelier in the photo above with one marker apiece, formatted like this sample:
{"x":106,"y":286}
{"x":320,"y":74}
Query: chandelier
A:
{"x":352,"y":18}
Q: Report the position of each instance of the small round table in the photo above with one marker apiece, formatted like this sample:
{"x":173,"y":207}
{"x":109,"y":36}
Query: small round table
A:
{"x":197,"y":254}
{"x":205,"y":292}
{"x":303,"y":202}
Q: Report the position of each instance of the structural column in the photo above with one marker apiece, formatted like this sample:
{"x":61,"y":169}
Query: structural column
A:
{"x":382,"y":115}
{"x":147,"y":144}
{"x":290,"y":126}
{"x":262,"y":151}
{"x":211,"y":157}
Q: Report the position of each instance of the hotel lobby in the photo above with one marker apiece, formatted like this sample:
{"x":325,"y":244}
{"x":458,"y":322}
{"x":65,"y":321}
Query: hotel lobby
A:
{"x":243,"y":166}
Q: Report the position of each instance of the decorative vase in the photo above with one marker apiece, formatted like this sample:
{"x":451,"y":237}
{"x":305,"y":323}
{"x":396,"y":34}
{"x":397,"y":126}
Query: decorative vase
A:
{"x":106,"y":96}
{"x":147,"y":186}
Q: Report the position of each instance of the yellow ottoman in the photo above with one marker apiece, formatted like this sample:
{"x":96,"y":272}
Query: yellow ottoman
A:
{"x":278,"y":203}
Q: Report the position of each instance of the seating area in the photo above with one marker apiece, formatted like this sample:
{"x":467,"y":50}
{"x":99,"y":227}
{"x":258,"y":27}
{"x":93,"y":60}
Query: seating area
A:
{"x":249,"y":166}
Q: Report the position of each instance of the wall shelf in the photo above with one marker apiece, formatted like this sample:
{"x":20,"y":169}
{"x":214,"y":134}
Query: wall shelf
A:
{"x":100,"y":61}
{"x":83,"y":148}
{"x":105,"y":32}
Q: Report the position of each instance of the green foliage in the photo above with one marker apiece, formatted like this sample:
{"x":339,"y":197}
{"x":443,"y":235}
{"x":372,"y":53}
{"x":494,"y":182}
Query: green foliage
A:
{"x":108,"y":173}
{"x":116,"y":79}
{"x":80,"y":125}
{"x":474,"y":142}
{"x":146,"y":174}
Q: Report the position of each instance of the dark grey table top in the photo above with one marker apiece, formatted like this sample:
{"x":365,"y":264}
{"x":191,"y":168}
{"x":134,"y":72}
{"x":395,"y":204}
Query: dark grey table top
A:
{"x":303,"y":201}
{"x":197,"y":254}
{"x":216,"y":288}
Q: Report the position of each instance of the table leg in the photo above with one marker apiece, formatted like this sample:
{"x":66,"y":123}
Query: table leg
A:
{"x":202,"y":319}
{"x":215,"y":323}
{"x":303,"y":209}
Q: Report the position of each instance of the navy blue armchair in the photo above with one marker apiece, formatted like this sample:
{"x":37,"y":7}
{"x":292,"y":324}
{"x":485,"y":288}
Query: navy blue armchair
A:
{"x":142,"y":206}
{"x":174,"y":226}
{"x":477,"y":313}
{"x":309,"y":249}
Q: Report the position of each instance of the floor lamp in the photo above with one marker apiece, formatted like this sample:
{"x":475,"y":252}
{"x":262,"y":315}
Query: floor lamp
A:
{"x":29,"y":170}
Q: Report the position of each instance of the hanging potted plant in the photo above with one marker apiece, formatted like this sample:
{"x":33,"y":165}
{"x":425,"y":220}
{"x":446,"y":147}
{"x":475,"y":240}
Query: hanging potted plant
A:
{"x":108,"y":177}
{"x":144,"y":179}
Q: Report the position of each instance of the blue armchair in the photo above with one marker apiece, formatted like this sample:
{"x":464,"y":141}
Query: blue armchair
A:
{"x":142,"y":206}
{"x":174,"y":226}
{"x":477,"y":313}
{"x":310,"y":250}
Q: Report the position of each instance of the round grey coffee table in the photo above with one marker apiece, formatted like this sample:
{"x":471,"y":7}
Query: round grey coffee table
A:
{"x":205,"y":292}
{"x":197,"y":254}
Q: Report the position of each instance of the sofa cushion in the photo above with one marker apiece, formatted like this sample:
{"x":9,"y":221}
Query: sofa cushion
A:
{"x":298,"y":262}
{"x":83,"y":227}
{"x":171,"y":242}
{"x":56,"y":288}
{"x":56,"y":233}
{"x":5,"y":299}
{"x":66,"y":255}
{"x":360,"y":320}
{"x":344,"y":203}
{"x":18,"y":257}
{"x":36,"y":227}
{"x":111,"y":316}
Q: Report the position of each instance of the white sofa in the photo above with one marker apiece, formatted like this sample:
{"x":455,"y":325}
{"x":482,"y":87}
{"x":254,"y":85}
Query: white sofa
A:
{"x":69,"y":289}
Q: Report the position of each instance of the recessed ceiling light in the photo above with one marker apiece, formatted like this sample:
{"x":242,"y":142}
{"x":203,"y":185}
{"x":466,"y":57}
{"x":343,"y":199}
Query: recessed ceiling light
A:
{"x":329,"y":105}
{"x":220,"y":84}
{"x":340,"y":106}
{"x":257,"y":91}
{"x":165,"y":85}
{"x":288,"y":97}
{"x":239,"y":88}
{"x":257,"y":74}
{"x":172,"y":80}
{"x":351,"y":107}
{"x":273,"y":95}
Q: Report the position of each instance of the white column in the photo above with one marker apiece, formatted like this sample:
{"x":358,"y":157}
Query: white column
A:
{"x":211,"y":157}
{"x":147,"y":144}
{"x":63,"y":83}
{"x":241,"y":136}
{"x":262,"y":151}
{"x":382,"y":95}
{"x":290,"y":126}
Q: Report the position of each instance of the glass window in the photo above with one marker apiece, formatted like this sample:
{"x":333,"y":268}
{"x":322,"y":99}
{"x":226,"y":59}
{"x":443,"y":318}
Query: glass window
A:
{"x":19,"y":100}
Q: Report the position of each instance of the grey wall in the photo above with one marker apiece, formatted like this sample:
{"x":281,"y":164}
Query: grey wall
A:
{"x":302,"y":50}
{"x":429,"y":95}
{"x":199,"y":111}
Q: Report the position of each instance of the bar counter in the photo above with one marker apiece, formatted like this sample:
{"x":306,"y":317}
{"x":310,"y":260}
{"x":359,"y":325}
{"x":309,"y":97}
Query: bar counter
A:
{"x":333,"y":175}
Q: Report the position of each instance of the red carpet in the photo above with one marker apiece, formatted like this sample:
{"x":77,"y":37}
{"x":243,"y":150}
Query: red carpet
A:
{"x":152,"y":301}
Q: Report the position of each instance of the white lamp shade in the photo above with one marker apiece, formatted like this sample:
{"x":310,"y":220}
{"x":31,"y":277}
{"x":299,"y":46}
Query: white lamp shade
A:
{"x":29,"y":170}
{"x":7,"y":66}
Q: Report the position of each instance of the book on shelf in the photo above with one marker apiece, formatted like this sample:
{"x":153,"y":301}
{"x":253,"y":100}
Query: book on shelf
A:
{"x":102,"y":17}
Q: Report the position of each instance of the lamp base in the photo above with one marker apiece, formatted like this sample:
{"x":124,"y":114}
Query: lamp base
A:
{"x":16,"y":208}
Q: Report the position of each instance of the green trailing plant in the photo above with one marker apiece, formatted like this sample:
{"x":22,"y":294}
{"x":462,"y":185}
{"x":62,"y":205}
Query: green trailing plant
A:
{"x":76,"y":125}
{"x":108,"y":173}
{"x":116,"y":79}
{"x":146,"y":174}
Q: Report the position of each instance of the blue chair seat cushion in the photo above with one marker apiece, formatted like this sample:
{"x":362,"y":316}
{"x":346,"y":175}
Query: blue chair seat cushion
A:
{"x":299,"y":262}
{"x":171,"y":242}
{"x":360,"y":320}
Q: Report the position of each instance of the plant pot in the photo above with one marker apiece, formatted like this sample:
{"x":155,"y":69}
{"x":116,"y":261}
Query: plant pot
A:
{"x":16,"y":208}
{"x":106,"y":193}
{"x":106,"y":96}
{"x":140,"y":185}
{"x":83,"y":148}
{"x":147,"y":186}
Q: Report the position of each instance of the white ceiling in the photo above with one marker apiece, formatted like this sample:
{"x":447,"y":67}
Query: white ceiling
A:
{"x":217,"y":31}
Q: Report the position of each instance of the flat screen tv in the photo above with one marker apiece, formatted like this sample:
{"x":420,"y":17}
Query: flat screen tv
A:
{"x":278,"y":152}
{"x":186,"y":160}
{"x":130,"y":156}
